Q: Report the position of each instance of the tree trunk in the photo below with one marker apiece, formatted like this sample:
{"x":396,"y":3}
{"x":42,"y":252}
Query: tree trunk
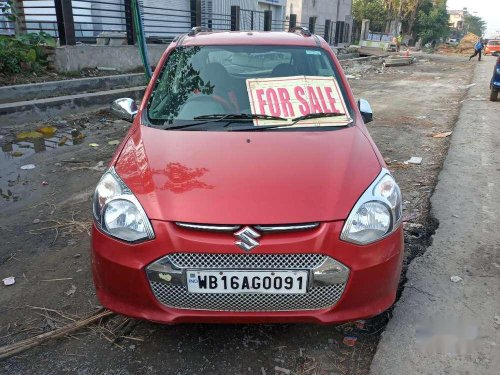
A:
{"x":20,"y":21}
{"x":389,"y":19}
{"x":398,"y":18}
{"x":411,"y":23}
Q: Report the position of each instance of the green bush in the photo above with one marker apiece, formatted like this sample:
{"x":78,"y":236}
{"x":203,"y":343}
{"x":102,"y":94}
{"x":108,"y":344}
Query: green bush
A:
{"x":25,"y":52}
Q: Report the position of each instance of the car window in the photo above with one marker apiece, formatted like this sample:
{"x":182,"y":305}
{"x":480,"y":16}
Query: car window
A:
{"x":494,"y":43}
{"x":243,"y":63}
{"x":198,"y":81}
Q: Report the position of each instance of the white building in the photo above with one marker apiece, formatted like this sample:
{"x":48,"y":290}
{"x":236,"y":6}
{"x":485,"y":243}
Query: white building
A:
{"x":457,"y":18}
{"x":333,"y":16}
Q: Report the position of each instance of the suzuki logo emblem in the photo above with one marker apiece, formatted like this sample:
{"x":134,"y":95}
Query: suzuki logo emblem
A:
{"x":247,"y":239}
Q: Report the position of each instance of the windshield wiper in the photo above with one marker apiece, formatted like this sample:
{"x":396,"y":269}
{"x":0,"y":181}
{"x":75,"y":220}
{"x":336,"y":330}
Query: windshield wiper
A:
{"x":220,"y":117}
{"x":240,"y":116}
{"x":232,"y":117}
{"x":196,"y":123}
{"x":294,"y":121}
{"x":315,"y":115}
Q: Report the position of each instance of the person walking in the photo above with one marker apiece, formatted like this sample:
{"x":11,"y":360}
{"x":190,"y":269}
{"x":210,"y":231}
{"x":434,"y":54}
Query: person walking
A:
{"x":477,"y":49}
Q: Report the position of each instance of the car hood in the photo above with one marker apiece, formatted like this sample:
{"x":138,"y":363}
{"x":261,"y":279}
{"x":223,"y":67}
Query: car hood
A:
{"x":269,"y":177}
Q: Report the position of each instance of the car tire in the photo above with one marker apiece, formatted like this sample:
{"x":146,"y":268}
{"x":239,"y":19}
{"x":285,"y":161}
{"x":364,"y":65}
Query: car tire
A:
{"x":493,"y":95}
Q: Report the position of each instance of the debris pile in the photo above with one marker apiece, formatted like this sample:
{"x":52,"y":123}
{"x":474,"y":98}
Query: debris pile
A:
{"x":447,"y":48}
{"x":398,"y":60}
{"x":465,"y":46}
{"x":358,"y":70}
{"x":467,"y":43}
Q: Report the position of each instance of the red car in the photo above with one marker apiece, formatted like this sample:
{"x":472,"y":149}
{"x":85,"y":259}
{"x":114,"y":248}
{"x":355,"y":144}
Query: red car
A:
{"x":247,"y":190}
{"x":493,"y":45}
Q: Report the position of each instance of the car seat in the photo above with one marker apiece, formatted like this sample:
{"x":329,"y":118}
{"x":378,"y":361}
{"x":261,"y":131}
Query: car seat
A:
{"x":284,"y":70}
{"x":221,"y":81}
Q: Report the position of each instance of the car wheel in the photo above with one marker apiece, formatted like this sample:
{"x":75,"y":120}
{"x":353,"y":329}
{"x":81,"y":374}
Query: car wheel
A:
{"x":493,"y":95}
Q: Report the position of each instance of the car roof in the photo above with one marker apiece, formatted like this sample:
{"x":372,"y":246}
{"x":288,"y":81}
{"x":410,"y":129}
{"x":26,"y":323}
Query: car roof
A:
{"x":251,"y":38}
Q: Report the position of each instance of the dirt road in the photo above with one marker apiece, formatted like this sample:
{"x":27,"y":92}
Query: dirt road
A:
{"x":456,"y":283}
{"x":44,"y":243}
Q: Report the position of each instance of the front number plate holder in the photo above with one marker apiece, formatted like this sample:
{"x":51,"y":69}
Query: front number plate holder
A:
{"x":234,"y":281}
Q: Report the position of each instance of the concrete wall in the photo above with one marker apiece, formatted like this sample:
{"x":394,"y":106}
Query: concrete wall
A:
{"x":369,"y":43}
{"x":43,"y":109}
{"x":43,"y":90}
{"x":122,"y":58}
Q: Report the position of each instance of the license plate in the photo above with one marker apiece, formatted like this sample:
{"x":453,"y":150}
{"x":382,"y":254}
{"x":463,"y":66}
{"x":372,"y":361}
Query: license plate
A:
{"x":269,"y":282}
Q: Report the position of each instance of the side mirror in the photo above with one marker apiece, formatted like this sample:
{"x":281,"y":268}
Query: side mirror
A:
{"x":124,"y":108}
{"x":366,"y":110}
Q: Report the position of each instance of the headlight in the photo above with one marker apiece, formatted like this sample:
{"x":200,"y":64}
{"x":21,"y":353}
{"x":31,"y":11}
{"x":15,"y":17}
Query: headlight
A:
{"x":376,"y":214}
{"x":118,"y":212}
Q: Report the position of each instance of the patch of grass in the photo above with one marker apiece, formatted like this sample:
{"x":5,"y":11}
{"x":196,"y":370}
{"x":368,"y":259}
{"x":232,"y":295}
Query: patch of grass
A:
{"x":25,"y":52}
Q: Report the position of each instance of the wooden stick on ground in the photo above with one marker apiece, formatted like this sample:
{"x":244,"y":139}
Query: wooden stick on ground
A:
{"x":10,"y":350}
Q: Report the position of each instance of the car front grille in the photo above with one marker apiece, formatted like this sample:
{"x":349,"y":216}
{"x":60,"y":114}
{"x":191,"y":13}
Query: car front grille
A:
{"x":316,"y":298}
{"x":246,"y":261}
{"x":177,"y":296}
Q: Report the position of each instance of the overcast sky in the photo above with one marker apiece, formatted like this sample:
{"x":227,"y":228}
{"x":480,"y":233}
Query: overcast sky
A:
{"x":488,"y":10}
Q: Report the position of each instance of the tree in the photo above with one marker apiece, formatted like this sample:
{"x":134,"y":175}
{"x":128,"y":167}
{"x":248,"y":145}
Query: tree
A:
{"x":423,"y":18}
{"x":374,"y":10}
{"x":410,"y":15}
{"x":7,"y":10}
{"x":474,"y":24}
{"x":432,"y":21}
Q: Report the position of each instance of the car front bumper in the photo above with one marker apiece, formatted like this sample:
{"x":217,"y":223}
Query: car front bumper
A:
{"x":124,"y":284}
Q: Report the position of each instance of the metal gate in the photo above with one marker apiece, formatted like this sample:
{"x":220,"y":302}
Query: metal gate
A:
{"x":251,"y":20}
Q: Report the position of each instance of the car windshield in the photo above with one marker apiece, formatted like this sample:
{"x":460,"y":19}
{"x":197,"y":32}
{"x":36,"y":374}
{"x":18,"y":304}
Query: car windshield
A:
{"x":494,"y":43}
{"x":238,"y":87}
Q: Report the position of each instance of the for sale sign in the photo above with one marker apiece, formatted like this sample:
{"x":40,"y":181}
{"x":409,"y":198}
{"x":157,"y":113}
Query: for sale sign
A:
{"x":292,"y":97}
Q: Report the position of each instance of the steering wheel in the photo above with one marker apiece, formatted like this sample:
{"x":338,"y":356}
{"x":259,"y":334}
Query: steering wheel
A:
{"x":228,"y":107}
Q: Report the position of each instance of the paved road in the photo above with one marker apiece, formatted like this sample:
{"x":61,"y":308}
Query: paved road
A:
{"x":466,"y":244}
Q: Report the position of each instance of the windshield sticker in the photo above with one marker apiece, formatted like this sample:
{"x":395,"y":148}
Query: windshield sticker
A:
{"x":297,"y":96}
{"x":313,"y":52}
